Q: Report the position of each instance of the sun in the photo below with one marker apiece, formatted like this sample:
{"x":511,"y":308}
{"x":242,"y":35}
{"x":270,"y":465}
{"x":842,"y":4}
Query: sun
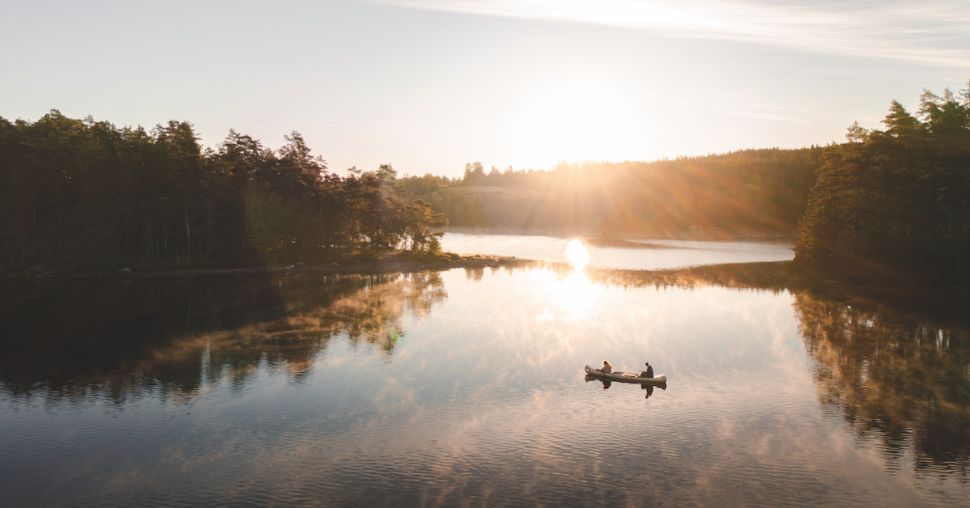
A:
{"x":578,"y":121}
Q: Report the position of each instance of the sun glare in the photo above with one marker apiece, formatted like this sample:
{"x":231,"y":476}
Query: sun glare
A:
{"x":576,"y":295}
{"x":578,"y":122}
{"x":577,"y":255}
{"x":571,"y":298}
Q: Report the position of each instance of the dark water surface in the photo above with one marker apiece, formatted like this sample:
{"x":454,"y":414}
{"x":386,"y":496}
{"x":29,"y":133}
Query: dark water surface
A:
{"x":467,"y":387}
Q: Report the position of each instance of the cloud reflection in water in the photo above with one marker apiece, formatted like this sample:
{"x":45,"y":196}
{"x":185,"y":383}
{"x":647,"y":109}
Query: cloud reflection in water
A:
{"x":484,"y":399}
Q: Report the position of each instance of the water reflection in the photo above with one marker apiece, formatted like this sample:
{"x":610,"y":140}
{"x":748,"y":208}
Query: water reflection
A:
{"x":282,"y":325}
{"x":903,"y":381}
{"x":653,"y":255}
{"x":646,"y":387}
{"x":576,"y":254}
{"x":438,"y":388}
{"x":575,"y":294}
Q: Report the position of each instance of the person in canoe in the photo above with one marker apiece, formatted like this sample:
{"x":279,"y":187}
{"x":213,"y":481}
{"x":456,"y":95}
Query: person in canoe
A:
{"x":649,"y":372}
{"x":607,"y":368}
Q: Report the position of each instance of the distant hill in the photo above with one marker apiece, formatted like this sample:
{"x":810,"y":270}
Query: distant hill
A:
{"x":749,"y":193}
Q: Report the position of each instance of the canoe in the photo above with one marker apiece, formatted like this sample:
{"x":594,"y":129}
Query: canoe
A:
{"x":627,"y":377}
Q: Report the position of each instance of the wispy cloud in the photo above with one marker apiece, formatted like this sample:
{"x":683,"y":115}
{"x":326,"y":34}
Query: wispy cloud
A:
{"x":933,"y":32}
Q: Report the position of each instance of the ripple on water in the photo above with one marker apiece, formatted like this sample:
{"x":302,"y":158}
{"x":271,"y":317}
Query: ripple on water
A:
{"x":485,"y":403}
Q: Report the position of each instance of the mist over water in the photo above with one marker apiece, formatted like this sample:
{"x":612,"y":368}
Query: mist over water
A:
{"x":434,"y":388}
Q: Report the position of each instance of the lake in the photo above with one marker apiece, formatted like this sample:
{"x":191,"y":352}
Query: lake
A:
{"x":467,"y":387}
{"x":659,"y":254}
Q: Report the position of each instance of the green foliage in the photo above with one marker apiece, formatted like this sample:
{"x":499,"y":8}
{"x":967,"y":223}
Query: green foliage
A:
{"x":898,"y":198}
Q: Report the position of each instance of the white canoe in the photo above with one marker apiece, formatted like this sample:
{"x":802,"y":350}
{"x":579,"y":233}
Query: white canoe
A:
{"x":626,"y":377}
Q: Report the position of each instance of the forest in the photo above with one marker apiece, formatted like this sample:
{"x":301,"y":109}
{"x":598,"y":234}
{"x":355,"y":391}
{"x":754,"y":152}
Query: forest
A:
{"x":80,"y":193}
{"x":895,"y":200}
{"x":87,"y":194}
{"x":749,"y":193}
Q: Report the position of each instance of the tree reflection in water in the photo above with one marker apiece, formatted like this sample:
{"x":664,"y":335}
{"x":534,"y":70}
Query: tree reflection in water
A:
{"x":890,"y":372}
{"x":892,"y":377}
{"x":173,"y":338}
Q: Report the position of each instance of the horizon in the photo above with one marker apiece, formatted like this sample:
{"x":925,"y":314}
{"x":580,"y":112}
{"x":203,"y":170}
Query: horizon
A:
{"x":427,"y":85}
{"x":403,"y":174}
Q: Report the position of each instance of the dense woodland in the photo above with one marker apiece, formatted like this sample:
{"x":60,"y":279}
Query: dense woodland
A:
{"x":898,"y":198}
{"x":83,"y":193}
{"x":750,"y":193}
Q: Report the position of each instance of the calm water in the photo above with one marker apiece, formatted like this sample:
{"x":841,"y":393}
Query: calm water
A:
{"x":467,"y":387}
{"x":654,"y":255}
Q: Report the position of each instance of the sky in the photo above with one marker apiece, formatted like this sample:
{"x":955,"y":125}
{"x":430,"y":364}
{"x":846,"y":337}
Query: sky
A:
{"x":428,"y":85}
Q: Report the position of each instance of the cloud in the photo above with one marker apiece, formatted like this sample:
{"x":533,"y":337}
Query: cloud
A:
{"x":932,"y":32}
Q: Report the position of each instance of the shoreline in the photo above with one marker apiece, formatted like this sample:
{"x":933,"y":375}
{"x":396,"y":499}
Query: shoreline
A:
{"x":389,"y":264}
{"x":944,"y":300}
{"x":701,"y":236}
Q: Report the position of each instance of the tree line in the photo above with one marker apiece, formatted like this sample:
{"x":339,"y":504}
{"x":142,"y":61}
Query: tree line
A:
{"x":744,"y":193}
{"x":897,"y":198}
{"x":892,"y":200}
{"x":81,"y":193}
{"x":85,"y":193}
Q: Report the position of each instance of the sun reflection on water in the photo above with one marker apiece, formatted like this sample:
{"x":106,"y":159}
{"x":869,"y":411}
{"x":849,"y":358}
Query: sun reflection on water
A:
{"x":571,"y":297}
{"x":577,"y":254}
{"x":576,"y":294}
